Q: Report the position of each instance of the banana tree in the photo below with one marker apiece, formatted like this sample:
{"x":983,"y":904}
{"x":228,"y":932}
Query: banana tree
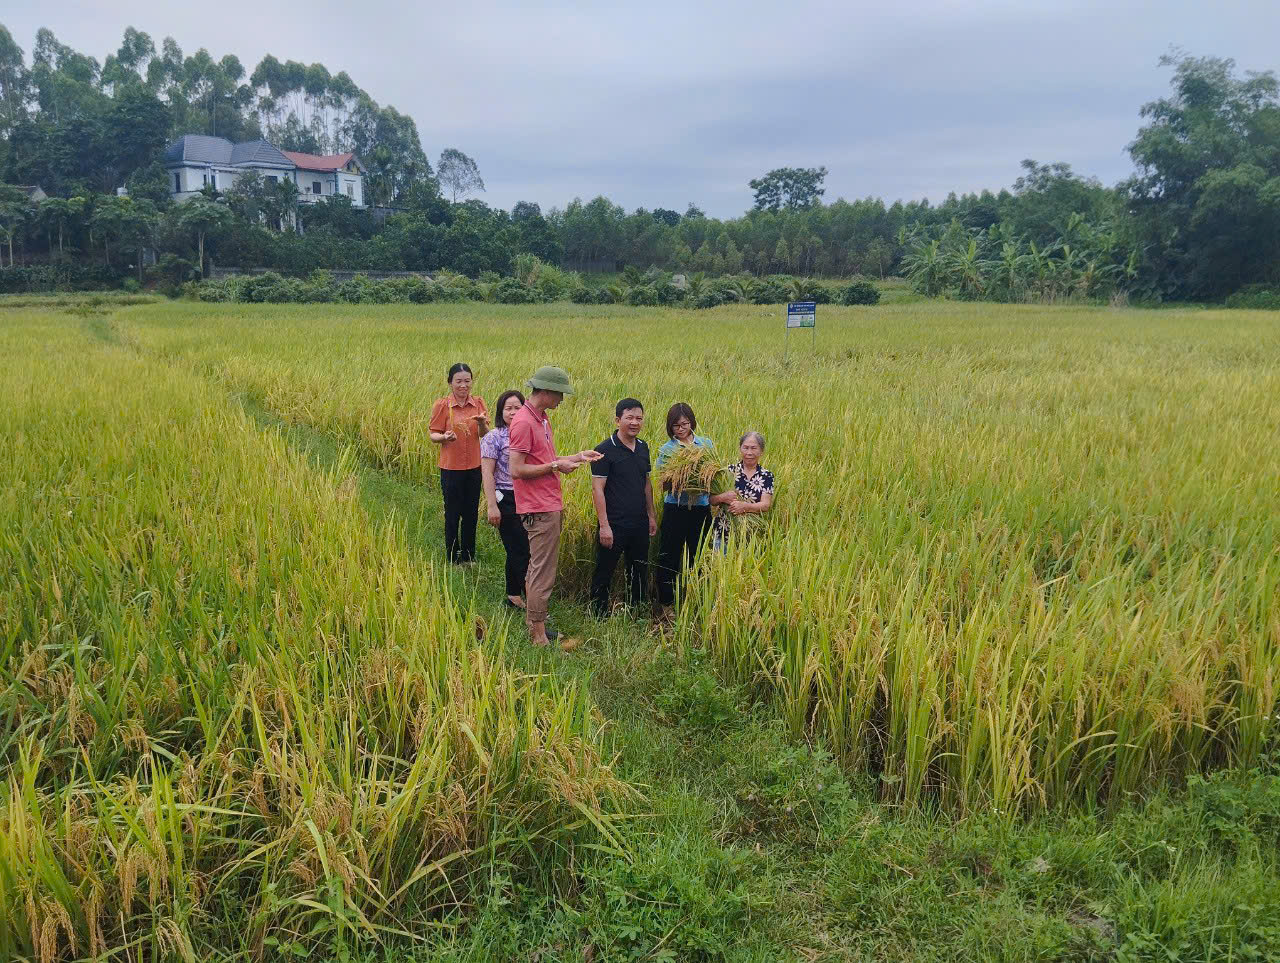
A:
{"x":1037,"y":268}
{"x":800,"y":289}
{"x":967,"y":267}
{"x":926,"y":268}
{"x":694,"y":285}
{"x":1006,"y":273}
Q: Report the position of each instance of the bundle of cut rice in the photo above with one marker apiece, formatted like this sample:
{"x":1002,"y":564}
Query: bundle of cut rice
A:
{"x":694,"y":470}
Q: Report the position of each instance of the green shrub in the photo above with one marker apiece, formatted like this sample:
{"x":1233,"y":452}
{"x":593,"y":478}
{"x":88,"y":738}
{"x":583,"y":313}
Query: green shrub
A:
{"x":553,"y":284}
{"x":222,"y":289}
{"x":860,"y":292}
{"x":771,"y":290}
{"x":132,"y":285}
{"x":666,"y":293}
{"x":312,"y":293}
{"x":67,"y":276}
{"x":355,"y":291}
{"x":270,"y":288}
{"x":511,"y":291}
{"x":709,"y":298}
{"x":1259,"y":297}
{"x":582,"y":295}
{"x":406,"y":290}
{"x":642,"y":295}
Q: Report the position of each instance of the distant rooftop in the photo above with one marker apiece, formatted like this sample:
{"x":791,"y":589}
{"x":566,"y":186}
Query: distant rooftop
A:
{"x":204,"y":149}
{"x":319,"y":162}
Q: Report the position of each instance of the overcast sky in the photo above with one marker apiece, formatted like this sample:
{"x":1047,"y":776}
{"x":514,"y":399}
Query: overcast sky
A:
{"x":663,"y":103}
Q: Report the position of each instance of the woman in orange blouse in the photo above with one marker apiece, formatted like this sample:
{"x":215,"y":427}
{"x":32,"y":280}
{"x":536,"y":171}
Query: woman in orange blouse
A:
{"x":457,"y":422}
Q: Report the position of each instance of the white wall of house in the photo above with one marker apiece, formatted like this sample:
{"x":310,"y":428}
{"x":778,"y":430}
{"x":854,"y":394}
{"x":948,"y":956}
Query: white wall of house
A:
{"x":307,"y":182}
{"x":187,"y":181}
{"x":329,"y":184}
{"x":353,"y":186}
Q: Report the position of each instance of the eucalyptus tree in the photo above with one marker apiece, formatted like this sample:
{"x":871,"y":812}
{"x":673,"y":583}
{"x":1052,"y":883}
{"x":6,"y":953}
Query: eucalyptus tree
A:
{"x":458,"y":174}
{"x":15,"y":83}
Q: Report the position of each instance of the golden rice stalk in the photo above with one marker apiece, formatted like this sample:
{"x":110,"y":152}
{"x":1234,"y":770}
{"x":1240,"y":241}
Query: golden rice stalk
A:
{"x":694,"y":470}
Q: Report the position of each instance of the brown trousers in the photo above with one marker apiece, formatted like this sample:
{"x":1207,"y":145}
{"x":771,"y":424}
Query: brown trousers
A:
{"x":543,"y":529}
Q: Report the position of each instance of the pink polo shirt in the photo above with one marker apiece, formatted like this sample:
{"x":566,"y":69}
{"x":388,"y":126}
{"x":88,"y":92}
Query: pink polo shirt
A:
{"x":530,"y":433}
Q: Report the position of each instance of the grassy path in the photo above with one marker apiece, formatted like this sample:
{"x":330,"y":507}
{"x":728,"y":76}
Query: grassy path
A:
{"x":758,"y":848}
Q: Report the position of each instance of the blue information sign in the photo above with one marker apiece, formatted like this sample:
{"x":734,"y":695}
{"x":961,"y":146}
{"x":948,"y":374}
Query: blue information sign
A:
{"x":802,"y":314}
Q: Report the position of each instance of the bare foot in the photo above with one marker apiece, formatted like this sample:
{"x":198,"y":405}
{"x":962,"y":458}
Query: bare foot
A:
{"x":516,"y":600}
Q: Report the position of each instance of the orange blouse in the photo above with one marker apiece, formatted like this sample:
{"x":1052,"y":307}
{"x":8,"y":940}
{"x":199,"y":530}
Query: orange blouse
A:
{"x":448,"y":415}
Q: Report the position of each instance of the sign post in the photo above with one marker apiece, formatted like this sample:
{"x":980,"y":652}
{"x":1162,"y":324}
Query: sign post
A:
{"x":801,"y":314}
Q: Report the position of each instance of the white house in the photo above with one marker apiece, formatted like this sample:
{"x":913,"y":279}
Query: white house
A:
{"x":196,"y":161}
{"x":322,"y":175}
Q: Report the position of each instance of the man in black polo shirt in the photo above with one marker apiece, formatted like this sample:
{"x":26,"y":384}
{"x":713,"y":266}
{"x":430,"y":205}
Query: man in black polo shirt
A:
{"x":623,"y":497}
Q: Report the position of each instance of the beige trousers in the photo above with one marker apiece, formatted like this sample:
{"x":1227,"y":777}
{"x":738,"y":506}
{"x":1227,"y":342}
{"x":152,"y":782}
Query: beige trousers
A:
{"x":544,"y":550}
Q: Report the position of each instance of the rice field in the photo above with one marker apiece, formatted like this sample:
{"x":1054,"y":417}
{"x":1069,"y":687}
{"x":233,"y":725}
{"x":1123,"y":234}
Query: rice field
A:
{"x":1021,"y":560}
{"x":235,"y":714}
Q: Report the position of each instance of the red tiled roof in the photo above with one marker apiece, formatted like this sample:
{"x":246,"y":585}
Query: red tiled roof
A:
{"x":318,"y":162}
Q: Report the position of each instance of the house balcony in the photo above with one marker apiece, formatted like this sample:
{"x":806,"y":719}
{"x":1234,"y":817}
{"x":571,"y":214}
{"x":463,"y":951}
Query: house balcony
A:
{"x":306,"y":197}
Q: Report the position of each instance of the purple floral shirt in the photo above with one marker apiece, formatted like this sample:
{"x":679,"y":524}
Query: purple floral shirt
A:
{"x":494,"y":445}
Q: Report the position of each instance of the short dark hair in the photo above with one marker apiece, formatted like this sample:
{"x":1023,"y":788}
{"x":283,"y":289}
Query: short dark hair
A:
{"x":680,"y":410}
{"x":460,"y":366}
{"x":626,"y":404}
{"x":502,"y":403}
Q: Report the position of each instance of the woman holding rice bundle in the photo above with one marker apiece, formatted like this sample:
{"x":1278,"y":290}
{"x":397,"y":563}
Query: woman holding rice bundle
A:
{"x":686,"y":514}
{"x":752,"y":491}
{"x":457,"y":422}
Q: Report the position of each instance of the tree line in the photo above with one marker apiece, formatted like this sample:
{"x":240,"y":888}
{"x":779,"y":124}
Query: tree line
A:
{"x":1199,"y":219}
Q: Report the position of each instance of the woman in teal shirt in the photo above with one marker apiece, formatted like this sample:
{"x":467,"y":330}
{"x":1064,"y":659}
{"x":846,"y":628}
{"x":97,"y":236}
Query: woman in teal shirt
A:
{"x":686,"y":518}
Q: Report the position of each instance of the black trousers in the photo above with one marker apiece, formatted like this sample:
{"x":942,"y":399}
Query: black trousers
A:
{"x":461,"y":491}
{"x":635,"y":546}
{"x":683,"y":530}
{"x":516,"y":541}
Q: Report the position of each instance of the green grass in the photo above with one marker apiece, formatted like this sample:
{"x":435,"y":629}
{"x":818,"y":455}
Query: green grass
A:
{"x":757,"y":836}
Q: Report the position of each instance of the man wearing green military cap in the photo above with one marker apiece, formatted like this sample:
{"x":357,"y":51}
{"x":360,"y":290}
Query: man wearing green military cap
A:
{"x":535,"y":468}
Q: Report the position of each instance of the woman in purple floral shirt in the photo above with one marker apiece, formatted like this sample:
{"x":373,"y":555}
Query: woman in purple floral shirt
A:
{"x":500,"y":499}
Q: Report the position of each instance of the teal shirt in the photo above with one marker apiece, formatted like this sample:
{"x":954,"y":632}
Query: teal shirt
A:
{"x":665,"y":452}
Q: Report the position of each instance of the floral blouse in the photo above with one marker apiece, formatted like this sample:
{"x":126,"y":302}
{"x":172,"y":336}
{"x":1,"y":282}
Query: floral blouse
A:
{"x":495,"y":445}
{"x":752,"y":489}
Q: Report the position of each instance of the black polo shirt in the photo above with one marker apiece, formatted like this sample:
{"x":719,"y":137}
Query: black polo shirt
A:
{"x":625,"y":472}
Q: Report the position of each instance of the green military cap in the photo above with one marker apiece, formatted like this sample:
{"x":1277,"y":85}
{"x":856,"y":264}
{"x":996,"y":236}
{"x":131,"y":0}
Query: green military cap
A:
{"x":551,"y":378}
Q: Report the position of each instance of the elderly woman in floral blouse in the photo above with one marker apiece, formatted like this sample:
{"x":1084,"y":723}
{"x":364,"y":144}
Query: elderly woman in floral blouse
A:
{"x":752,"y":491}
